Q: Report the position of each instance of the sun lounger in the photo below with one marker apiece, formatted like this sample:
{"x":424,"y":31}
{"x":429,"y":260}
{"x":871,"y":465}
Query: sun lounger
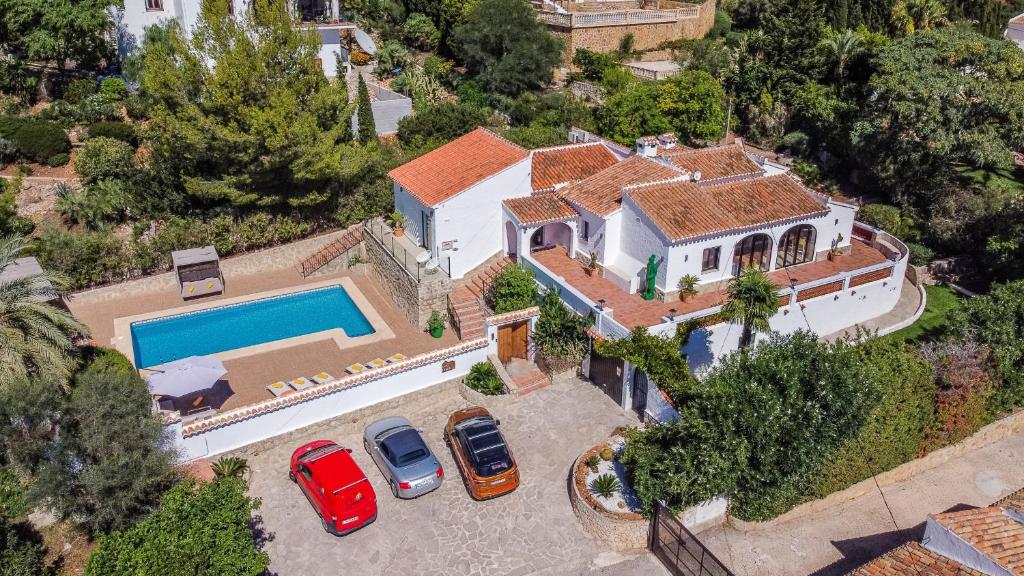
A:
{"x":356,"y":368}
{"x":300,"y":383}
{"x":397,"y":357}
{"x":322,"y":378}
{"x":278,"y":388}
{"x":376,"y":363}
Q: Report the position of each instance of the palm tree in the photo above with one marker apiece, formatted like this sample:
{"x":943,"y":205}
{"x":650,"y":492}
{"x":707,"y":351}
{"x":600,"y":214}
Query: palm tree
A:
{"x":841,"y":48}
{"x":751,"y":302}
{"x":35,"y":336}
{"x":911,"y":15}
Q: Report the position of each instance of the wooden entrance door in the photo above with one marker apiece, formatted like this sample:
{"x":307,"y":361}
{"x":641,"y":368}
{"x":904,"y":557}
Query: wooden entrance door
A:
{"x":513,"y":340}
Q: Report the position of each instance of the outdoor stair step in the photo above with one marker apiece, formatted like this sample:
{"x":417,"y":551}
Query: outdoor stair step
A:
{"x":332,"y":250}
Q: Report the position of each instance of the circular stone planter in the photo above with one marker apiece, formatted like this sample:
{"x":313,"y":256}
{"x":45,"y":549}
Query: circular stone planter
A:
{"x":478,"y":399}
{"x":623,"y":530}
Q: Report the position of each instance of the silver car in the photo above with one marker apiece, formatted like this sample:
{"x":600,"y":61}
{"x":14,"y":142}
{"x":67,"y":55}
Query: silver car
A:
{"x":408,"y":465}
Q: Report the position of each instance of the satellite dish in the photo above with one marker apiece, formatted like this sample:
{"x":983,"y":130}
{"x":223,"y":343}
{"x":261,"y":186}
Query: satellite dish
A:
{"x":365,"y":42}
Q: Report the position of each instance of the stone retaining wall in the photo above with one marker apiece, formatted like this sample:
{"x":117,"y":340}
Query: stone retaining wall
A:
{"x":276,"y":258}
{"x":996,"y":431}
{"x":623,"y":531}
{"x":415,"y":299}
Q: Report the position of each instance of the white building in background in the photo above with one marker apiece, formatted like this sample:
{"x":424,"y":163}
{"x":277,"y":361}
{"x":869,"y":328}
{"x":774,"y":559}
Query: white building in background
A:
{"x":1015,"y":30}
{"x":336,"y":34}
{"x":596,"y":221}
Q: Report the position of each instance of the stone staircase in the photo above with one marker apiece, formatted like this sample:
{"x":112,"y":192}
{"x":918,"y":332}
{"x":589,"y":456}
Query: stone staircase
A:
{"x":337,"y":247}
{"x":526,"y":377}
{"x":466,"y":303}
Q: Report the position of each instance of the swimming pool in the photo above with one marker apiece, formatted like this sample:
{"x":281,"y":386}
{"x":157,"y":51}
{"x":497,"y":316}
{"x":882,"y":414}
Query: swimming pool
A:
{"x":245,"y":324}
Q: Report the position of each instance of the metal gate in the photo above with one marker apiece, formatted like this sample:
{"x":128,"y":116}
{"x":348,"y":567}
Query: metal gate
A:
{"x":679,"y":550}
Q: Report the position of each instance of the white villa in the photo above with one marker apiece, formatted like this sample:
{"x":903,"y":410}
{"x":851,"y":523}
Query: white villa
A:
{"x":131,"y":21}
{"x":707,"y":213}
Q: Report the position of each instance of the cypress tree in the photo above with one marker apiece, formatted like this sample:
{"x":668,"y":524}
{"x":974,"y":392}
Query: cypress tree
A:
{"x":367,"y":129}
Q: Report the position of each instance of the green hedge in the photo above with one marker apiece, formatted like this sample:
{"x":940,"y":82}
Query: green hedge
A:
{"x":116,"y":130}
{"x":36,"y":140}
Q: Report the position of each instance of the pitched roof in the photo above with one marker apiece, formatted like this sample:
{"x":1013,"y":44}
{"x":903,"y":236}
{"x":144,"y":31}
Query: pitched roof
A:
{"x":992,"y":531}
{"x":685,"y":210}
{"x":602,"y":192}
{"x":913,"y":559}
{"x":714,"y":163}
{"x":563,"y":164}
{"x":540,"y":208}
{"x":444,"y":172}
{"x":1013,"y":500}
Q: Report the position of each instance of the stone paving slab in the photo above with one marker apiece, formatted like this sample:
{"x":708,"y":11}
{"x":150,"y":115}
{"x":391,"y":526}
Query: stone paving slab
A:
{"x":531,"y":531}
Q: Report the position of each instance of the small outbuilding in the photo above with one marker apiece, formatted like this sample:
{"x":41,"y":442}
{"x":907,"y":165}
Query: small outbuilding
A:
{"x":198,"y":271}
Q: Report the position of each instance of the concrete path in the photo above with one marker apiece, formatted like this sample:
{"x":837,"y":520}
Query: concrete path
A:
{"x":531,"y":531}
{"x":906,"y":307}
{"x":834,"y":541}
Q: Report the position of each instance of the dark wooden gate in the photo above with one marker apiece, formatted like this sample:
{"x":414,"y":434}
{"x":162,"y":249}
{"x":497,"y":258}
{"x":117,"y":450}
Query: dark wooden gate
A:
{"x":678,"y":549}
{"x":606,"y":374}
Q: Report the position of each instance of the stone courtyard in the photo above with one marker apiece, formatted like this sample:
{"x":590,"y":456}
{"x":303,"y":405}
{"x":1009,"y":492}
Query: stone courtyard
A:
{"x":531,"y":531}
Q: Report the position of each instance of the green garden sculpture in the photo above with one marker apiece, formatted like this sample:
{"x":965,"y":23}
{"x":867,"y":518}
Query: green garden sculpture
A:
{"x":652,"y":274}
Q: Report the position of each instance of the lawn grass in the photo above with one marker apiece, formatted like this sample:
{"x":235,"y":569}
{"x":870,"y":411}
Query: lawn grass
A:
{"x":1012,"y":179}
{"x":941,"y":301}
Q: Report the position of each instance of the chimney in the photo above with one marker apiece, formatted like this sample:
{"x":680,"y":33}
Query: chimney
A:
{"x":687,"y":176}
{"x":668,"y":140}
{"x":738,"y":141}
{"x":647,"y":146}
{"x":697,"y":176}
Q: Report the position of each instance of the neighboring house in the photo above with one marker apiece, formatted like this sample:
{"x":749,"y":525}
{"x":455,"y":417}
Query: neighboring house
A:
{"x":131,"y":21}
{"x":1015,"y":30}
{"x":979,"y":541}
{"x":664,"y":211}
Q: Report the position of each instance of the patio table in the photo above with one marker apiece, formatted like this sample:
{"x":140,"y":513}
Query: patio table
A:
{"x":300,"y":383}
{"x":278,"y":388}
{"x":322,"y":378}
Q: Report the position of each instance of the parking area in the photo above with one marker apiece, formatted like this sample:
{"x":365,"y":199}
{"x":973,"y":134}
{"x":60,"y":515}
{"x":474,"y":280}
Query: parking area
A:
{"x":531,"y":531}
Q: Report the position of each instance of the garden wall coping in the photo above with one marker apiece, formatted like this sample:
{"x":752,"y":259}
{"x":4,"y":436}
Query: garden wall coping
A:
{"x":995,"y":431}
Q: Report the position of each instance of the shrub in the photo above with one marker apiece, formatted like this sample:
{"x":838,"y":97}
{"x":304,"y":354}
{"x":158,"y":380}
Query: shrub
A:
{"x":964,"y":386}
{"x":437,"y":67}
{"x":135,"y":107}
{"x":199,"y":529}
{"x":560,"y":333}
{"x":514,"y":288}
{"x":483,"y":378}
{"x":38,"y":140}
{"x":8,"y":152}
{"x":58,"y":160}
{"x":230,"y":467}
{"x":593,"y":64}
{"x":359,"y":58}
{"x":391,"y":56}
{"x":103,"y":158}
{"x":99,"y":203}
{"x":113,"y":89}
{"x":888,"y":218}
{"x":537,"y":135}
{"x":79,"y":90}
{"x":796,"y":143}
{"x":444,"y":122}
{"x":722,"y":25}
{"x":605,"y":485}
{"x":419,"y":32}
{"x":920,"y":255}
{"x":62,"y":112}
{"x":85,"y":259}
{"x":21,"y":550}
{"x":116,"y":130}
{"x":94,"y":109}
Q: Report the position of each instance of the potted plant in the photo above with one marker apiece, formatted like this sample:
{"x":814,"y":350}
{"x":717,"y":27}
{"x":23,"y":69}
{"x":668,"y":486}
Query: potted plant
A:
{"x":435,"y":325}
{"x":397,"y":221}
{"x":687,"y":286}
{"x":834,"y":250}
{"x":592,"y":264}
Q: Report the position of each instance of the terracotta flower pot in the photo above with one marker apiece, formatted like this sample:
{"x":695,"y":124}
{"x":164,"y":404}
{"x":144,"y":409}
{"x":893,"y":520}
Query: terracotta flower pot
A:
{"x":399,"y":232}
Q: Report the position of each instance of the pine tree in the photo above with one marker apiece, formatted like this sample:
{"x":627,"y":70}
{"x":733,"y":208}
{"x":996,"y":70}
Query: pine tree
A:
{"x":367,"y":129}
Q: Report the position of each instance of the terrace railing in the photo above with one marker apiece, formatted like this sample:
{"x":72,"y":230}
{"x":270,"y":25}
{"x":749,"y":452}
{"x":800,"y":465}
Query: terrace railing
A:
{"x":403,"y":253}
{"x":616,"y":17}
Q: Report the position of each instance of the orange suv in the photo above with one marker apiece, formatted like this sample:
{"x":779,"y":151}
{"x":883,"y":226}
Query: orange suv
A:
{"x":485,"y":461}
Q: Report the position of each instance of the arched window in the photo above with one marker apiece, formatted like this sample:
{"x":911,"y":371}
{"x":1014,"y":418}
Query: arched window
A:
{"x":754,"y":251}
{"x":796,"y":246}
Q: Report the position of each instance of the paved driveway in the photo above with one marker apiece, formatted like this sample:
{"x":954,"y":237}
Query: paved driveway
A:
{"x":531,"y":531}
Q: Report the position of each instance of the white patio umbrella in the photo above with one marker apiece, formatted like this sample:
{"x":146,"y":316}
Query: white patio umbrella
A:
{"x":185,"y":376}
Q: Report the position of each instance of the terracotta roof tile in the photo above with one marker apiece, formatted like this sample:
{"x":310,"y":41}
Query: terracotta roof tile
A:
{"x":913,"y":559}
{"x":1013,"y":500}
{"x":992,"y":531}
{"x":685,"y":210}
{"x":540,"y":208}
{"x":602,"y":192}
{"x":444,"y":172}
{"x":714,"y":163}
{"x":564,"y":164}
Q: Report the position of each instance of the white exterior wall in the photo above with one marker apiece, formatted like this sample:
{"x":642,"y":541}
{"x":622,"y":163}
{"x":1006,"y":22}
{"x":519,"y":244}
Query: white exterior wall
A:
{"x":292,"y":417}
{"x":823,"y":315}
{"x":473,"y":218}
{"x":605,"y":235}
{"x":413,"y":210}
{"x":640,"y":239}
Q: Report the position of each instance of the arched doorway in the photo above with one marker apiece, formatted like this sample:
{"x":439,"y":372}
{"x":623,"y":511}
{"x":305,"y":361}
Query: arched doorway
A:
{"x":754,"y":251}
{"x":796,"y":246}
{"x":511,"y":240}
{"x":551,"y":235}
{"x":639,"y":392}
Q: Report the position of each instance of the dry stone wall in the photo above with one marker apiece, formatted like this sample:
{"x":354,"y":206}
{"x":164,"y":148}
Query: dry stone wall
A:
{"x":416,"y":299}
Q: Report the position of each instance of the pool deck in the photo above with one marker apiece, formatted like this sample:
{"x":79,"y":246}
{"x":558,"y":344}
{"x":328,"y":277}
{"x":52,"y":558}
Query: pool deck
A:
{"x":249,"y":375}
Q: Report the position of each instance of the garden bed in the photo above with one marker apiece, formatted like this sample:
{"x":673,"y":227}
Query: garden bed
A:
{"x":614,"y":518}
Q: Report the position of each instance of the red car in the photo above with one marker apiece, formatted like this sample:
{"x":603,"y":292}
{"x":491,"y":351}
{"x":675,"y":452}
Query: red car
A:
{"x":334,"y":485}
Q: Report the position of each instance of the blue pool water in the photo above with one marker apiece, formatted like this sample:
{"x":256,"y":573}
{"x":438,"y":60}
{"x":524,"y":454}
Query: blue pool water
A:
{"x":246,"y":324}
